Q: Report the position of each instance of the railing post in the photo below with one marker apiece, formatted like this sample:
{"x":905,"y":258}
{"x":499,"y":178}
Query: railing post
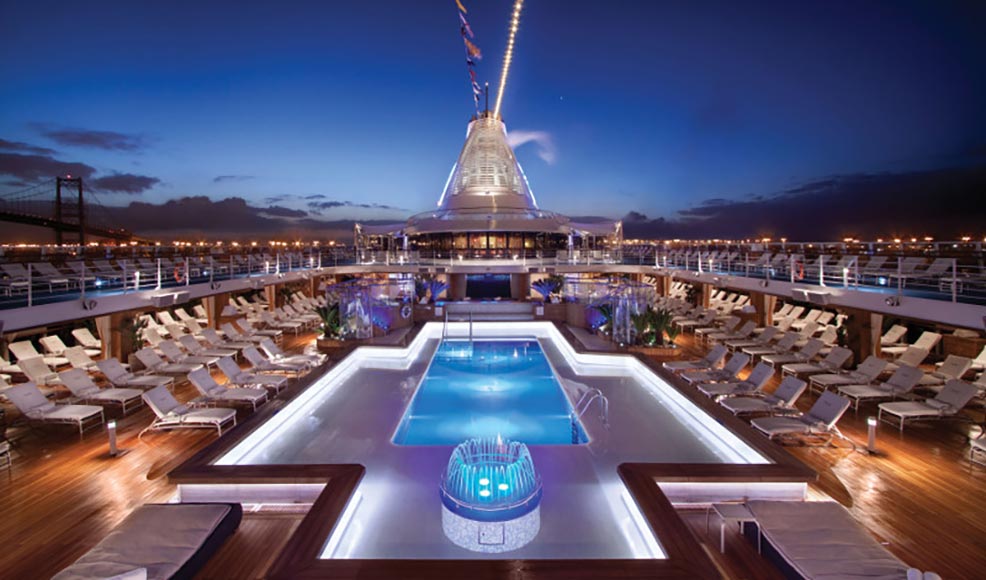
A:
{"x":821,"y":269}
{"x":955,"y":279}
{"x":159,"y":273}
{"x":855,"y":265}
{"x":187,"y":272}
{"x":900,"y":276}
{"x":791,"y":263}
{"x":30,"y":286}
{"x":82,"y":281}
{"x":124,"y":276}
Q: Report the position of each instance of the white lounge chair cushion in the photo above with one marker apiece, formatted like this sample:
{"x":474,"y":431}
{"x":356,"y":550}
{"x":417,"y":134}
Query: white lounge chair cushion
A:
{"x":910,"y":409}
{"x":74,"y":413}
{"x":118,"y":395}
{"x":784,"y":425}
{"x":821,"y":540}
{"x":737,"y":405}
{"x":831,"y":380}
{"x":138,"y":542}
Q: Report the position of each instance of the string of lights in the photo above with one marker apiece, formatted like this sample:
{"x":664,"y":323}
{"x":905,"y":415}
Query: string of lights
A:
{"x":508,"y":56}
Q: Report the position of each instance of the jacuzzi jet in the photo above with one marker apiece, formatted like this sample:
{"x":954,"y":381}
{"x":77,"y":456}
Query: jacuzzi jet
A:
{"x":491,"y":496}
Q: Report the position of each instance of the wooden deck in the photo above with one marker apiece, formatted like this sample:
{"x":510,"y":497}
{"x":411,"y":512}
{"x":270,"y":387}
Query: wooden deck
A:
{"x":919,"y":495}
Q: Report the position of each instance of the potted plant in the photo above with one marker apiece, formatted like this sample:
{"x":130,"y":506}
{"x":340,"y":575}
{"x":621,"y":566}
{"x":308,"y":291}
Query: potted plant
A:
{"x":330,"y":327}
{"x":131,"y":332}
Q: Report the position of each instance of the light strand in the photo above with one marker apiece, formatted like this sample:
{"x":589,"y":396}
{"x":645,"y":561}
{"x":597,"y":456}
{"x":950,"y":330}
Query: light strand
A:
{"x":508,"y":56}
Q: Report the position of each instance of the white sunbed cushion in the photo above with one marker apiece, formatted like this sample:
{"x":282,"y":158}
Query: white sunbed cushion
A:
{"x":738,"y":405}
{"x":781,"y":425}
{"x":206,"y":416}
{"x":910,"y":409}
{"x":830,"y":380}
{"x":158,"y":538}
{"x":821,"y":540}
{"x":67,"y":413}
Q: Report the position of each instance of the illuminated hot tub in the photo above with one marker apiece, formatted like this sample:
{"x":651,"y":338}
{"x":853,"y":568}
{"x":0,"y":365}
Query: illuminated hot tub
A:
{"x":491,"y":496}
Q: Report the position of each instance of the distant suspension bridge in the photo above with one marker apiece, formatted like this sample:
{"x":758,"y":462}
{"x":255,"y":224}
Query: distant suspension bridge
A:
{"x":65,"y":205}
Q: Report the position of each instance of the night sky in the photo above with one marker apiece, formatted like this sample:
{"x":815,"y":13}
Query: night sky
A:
{"x":687,"y":119}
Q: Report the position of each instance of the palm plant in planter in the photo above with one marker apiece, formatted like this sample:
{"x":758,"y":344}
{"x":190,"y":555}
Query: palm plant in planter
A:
{"x":131,"y":331}
{"x":429,"y":286}
{"x":546,"y":287}
{"x":605,"y":311}
{"x":331,"y":326}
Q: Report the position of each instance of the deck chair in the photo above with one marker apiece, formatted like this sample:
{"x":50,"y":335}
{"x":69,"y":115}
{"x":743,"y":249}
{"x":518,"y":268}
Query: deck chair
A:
{"x":213,"y":392}
{"x":893,"y":335}
{"x":833,"y":361}
{"x":237,"y":376}
{"x":78,"y":358}
{"x":250,"y":330}
{"x":155,"y":364}
{"x":785,"y":344}
{"x":903,"y":381}
{"x":744,"y":332}
{"x":118,"y":376}
{"x":24,"y":349}
{"x":85,"y":338}
{"x":80,"y":384}
{"x":215,"y":341}
{"x":38,"y":372}
{"x":711,"y":360}
{"x":781,"y":400}
{"x":276,"y":354}
{"x":763,"y":339}
{"x":194,"y":347}
{"x":728,"y":372}
{"x":8,"y":367}
{"x":913,"y":356}
{"x":753,"y":384}
{"x":36,"y":408}
{"x":928,"y":340}
{"x":170,"y":414}
{"x":234,"y":335}
{"x":260,"y":363}
{"x":54,"y":346}
{"x":820,"y":420}
{"x":729,"y":325}
{"x":954,"y":367}
{"x":810,"y":350}
{"x":175,"y":354}
{"x":272,"y":322}
{"x":865,"y":373}
{"x":954,"y":396}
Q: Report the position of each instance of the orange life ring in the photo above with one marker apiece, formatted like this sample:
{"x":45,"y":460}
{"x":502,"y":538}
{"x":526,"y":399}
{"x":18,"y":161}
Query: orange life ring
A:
{"x":179,"y":275}
{"x":801,"y":270}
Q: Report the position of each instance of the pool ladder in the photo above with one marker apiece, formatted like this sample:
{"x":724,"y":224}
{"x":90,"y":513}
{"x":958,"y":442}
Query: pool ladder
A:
{"x":445,"y":327}
{"x":585,"y":402}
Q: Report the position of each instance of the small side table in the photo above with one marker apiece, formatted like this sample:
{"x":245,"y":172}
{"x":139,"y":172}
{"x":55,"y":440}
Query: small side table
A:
{"x":736,"y":513}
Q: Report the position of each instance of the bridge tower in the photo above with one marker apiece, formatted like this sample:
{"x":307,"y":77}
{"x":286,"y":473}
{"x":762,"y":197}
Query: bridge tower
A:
{"x":69,"y":210}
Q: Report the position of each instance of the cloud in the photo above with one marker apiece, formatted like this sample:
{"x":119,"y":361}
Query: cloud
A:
{"x":316,"y":196}
{"x":231,"y":178}
{"x":317,"y":207}
{"x":124,"y":183}
{"x":944,"y":203}
{"x":30,"y":168}
{"x":284,"y":212}
{"x":106,"y":140}
{"x":546,"y":145}
{"x":19,"y":147}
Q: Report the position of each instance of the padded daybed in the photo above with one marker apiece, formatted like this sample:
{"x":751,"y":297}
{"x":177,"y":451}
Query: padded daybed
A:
{"x":160,"y":540}
{"x":819,"y":539}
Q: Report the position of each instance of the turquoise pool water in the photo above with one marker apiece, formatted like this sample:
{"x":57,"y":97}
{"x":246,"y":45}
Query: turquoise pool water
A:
{"x":489,"y":388}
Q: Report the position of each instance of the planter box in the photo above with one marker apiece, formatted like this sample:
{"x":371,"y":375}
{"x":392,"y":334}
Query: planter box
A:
{"x":661,"y":352}
{"x":327,"y":345}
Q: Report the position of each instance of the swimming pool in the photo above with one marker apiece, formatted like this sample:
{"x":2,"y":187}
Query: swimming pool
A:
{"x":488,"y":388}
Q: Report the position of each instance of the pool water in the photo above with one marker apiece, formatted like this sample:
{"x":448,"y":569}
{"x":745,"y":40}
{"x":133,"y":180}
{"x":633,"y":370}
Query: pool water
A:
{"x":489,"y":388}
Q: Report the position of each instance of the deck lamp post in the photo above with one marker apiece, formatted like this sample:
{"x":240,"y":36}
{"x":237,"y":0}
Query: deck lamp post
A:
{"x":871,"y":432}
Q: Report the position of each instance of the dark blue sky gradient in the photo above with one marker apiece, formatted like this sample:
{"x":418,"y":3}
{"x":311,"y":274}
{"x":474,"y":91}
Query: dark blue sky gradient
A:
{"x":653,"y":107}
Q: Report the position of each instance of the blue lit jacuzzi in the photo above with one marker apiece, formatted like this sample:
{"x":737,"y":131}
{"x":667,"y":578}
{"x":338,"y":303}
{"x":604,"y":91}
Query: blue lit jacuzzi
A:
{"x":489,"y":388}
{"x":491,"y":496}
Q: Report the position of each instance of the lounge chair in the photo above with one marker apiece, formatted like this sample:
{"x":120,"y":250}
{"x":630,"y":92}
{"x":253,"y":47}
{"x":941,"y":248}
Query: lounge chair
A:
{"x":118,"y":376}
{"x":729,"y":325}
{"x":821,"y":539}
{"x":194,"y":347}
{"x":711,"y":360}
{"x":893,"y":335}
{"x":215,"y":341}
{"x":159,"y":541}
{"x":953,"y":398}
{"x":54,"y":346}
{"x":785,"y":344}
{"x":276,"y":354}
{"x":170,"y":414}
{"x":155,"y":364}
{"x":928,"y":340}
{"x":78,"y":358}
{"x":39,"y":373}
{"x":80,"y":384}
{"x":752,"y":385}
{"x":213,"y":392}
{"x":903,"y":381}
{"x":954,"y":367}
{"x":833,"y":361}
{"x":913,"y":356}
{"x":728,"y":372}
{"x":820,"y":420}
{"x":36,"y":407}
{"x":743,"y":333}
{"x":259,"y":362}
{"x":8,"y":367}
{"x":978,"y":363}
{"x":272,"y":322}
{"x":865,"y":373}
{"x":175,"y":354}
{"x":237,"y":376}
{"x":24,"y":349}
{"x":763,"y":339}
{"x":234,"y":335}
{"x":810,"y":350}
{"x":781,"y":400}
